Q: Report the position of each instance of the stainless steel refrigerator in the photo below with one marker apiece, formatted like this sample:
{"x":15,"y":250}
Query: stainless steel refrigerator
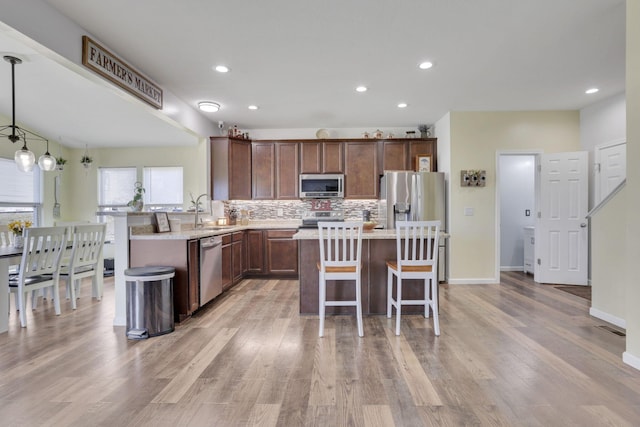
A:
{"x":412,"y":196}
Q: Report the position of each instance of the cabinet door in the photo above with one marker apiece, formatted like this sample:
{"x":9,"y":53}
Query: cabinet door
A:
{"x":361,"y":173}
{"x":227,"y":262}
{"x":395,"y":156}
{"x":239,"y":170}
{"x":423,"y":146}
{"x":332,"y":157}
{"x":255,"y":252}
{"x":263,"y":170}
{"x":194,"y":278}
{"x":237,"y":248}
{"x":287,"y":170}
{"x":282,"y":253}
{"x":310,"y":157}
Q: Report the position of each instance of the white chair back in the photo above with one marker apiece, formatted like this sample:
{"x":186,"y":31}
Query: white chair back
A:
{"x":340,"y":245}
{"x":43,"y":248}
{"x":88,"y":242}
{"x":6,"y":238}
{"x":417,"y":244}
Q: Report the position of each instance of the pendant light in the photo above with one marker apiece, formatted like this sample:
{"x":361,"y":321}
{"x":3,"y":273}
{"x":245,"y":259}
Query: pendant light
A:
{"x":24,"y":158}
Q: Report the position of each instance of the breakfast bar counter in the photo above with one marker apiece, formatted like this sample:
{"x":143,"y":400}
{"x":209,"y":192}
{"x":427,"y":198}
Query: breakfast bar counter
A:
{"x":377,"y":247}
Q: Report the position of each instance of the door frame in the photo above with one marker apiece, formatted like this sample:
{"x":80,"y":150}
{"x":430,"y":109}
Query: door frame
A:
{"x":536,"y":154}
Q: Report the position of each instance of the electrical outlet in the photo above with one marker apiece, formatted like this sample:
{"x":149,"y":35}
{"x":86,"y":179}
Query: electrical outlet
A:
{"x":280,"y":212}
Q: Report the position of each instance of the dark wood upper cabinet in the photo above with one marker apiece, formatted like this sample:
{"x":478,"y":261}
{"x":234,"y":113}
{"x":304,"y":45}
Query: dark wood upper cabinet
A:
{"x":230,"y":168}
{"x":423,"y":146}
{"x":361,"y":172}
{"x":321,"y":157}
{"x":263,"y":162}
{"x":287,"y":170}
{"x":395,"y":156}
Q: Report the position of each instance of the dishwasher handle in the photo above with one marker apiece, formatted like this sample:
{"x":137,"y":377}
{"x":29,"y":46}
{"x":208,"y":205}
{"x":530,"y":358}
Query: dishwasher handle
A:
{"x":210,"y":242}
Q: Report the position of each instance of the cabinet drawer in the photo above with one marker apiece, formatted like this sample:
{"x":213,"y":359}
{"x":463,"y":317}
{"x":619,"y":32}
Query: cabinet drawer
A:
{"x":226,"y":239}
{"x":280,"y":234}
{"x":237,"y":236}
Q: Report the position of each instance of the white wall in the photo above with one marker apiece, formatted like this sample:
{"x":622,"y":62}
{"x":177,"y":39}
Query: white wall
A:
{"x":601,"y":123}
{"x":517,"y":194}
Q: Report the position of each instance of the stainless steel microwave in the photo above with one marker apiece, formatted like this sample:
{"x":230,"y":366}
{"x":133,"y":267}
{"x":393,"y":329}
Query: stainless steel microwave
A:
{"x":321,"y":186}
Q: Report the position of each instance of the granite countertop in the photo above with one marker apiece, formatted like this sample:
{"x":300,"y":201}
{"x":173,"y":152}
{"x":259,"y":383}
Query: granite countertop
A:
{"x":189,"y":234}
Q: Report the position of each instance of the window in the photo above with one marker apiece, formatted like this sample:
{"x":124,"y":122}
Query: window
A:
{"x":20,"y":193}
{"x":163,"y":188}
{"x":115,"y":187}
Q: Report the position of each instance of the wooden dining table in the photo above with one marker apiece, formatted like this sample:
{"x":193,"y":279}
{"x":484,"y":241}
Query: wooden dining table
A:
{"x":8,"y":255}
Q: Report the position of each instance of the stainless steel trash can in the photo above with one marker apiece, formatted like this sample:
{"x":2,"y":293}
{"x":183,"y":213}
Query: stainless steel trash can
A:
{"x":149,"y":301}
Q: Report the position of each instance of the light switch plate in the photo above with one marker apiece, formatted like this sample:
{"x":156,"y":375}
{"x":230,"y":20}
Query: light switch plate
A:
{"x":468,"y":211}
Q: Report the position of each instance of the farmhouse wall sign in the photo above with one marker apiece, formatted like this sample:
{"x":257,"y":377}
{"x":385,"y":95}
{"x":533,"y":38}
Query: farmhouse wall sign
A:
{"x":103,"y":62}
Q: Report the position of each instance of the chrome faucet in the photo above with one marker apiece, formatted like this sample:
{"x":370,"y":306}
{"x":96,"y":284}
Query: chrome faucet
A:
{"x":197,"y":203}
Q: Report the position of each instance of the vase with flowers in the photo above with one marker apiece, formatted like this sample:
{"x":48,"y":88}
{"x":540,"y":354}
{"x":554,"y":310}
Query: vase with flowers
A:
{"x":137,"y":203}
{"x":17,"y":228}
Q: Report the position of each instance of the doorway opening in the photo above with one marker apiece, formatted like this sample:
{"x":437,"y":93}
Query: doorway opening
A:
{"x":516,"y":198}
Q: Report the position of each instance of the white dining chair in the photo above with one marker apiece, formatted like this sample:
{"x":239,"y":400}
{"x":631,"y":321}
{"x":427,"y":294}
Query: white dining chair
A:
{"x":340,"y":252}
{"x":86,"y":254}
{"x":416,"y":258}
{"x":6,"y":238}
{"x":39,"y":266}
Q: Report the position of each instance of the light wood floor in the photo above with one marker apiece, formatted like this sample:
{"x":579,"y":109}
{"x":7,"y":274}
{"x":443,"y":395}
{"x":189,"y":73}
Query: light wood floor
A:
{"x":512,"y":354}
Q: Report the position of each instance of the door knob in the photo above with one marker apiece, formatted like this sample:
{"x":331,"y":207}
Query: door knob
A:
{"x":583,"y":225}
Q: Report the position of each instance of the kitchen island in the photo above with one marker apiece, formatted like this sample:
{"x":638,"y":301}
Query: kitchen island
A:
{"x":377,"y":247}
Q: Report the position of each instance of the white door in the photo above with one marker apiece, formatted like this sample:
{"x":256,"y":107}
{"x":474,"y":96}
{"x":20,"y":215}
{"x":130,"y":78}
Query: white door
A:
{"x":561,"y":243}
{"x":611,"y":168}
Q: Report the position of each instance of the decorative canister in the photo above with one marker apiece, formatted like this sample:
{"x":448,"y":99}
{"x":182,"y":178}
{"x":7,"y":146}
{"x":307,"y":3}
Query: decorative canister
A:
{"x":377,"y":134}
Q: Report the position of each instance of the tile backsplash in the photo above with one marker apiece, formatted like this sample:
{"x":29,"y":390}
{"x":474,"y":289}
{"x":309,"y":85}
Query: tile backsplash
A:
{"x":293,"y":209}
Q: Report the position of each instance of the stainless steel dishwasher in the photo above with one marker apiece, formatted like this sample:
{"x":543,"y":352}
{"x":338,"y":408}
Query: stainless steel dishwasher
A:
{"x":210,"y":268}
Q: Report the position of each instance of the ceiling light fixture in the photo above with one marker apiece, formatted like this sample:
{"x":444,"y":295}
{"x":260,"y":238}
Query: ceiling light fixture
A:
{"x":402,"y":105}
{"x":208,"y":106}
{"x":592,"y":90}
{"x":23,"y":157}
{"x":253,"y":107}
{"x":361,"y":89}
{"x":222,"y":68}
{"x":425,"y":65}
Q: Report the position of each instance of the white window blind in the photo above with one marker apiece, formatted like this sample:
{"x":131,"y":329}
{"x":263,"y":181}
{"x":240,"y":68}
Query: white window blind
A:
{"x":163,"y":186}
{"x":116,"y":185}
{"x":19,"y":188}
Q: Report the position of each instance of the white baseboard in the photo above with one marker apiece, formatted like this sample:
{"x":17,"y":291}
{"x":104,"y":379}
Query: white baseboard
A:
{"x":631,"y":360}
{"x":621,"y":323}
{"x":485,"y":281}
{"x":512,"y":268}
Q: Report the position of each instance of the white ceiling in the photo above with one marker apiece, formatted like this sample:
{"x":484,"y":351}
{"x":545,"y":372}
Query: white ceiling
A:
{"x":300,"y":61}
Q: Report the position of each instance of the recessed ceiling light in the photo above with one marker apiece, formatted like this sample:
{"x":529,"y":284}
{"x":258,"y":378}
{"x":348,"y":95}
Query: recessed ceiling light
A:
{"x":402,"y":105}
{"x":592,"y":90}
{"x":208,"y":106}
{"x":425,"y":65}
{"x":361,"y":89}
{"x":253,"y":107}
{"x":222,"y":68}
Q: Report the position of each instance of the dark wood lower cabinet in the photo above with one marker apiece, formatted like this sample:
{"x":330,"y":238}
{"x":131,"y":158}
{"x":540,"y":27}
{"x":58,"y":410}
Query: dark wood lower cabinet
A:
{"x":282,"y":253}
{"x":272,"y":253}
{"x":237,"y":256}
{"x":227,"y":262}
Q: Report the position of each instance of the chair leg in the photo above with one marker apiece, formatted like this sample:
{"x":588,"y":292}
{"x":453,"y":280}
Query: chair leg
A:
{"x":427,"y":300}
{"x":398,"y":304}
{"x":434,"y":306}
{"x":71,"y":283}
{"x":359,"y":308}
{"x":389,"y":291}
{"x":22,"y":307}
{"x":321,"y":303}
{"x":56,"y":297}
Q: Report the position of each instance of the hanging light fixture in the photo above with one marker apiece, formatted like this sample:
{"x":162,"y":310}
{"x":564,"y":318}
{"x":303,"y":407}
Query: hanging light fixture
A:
{"x":24,"y":158}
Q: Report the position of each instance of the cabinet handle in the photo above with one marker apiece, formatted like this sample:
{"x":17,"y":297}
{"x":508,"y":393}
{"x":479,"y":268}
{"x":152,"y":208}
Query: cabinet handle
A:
{"x":533,"y":240}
